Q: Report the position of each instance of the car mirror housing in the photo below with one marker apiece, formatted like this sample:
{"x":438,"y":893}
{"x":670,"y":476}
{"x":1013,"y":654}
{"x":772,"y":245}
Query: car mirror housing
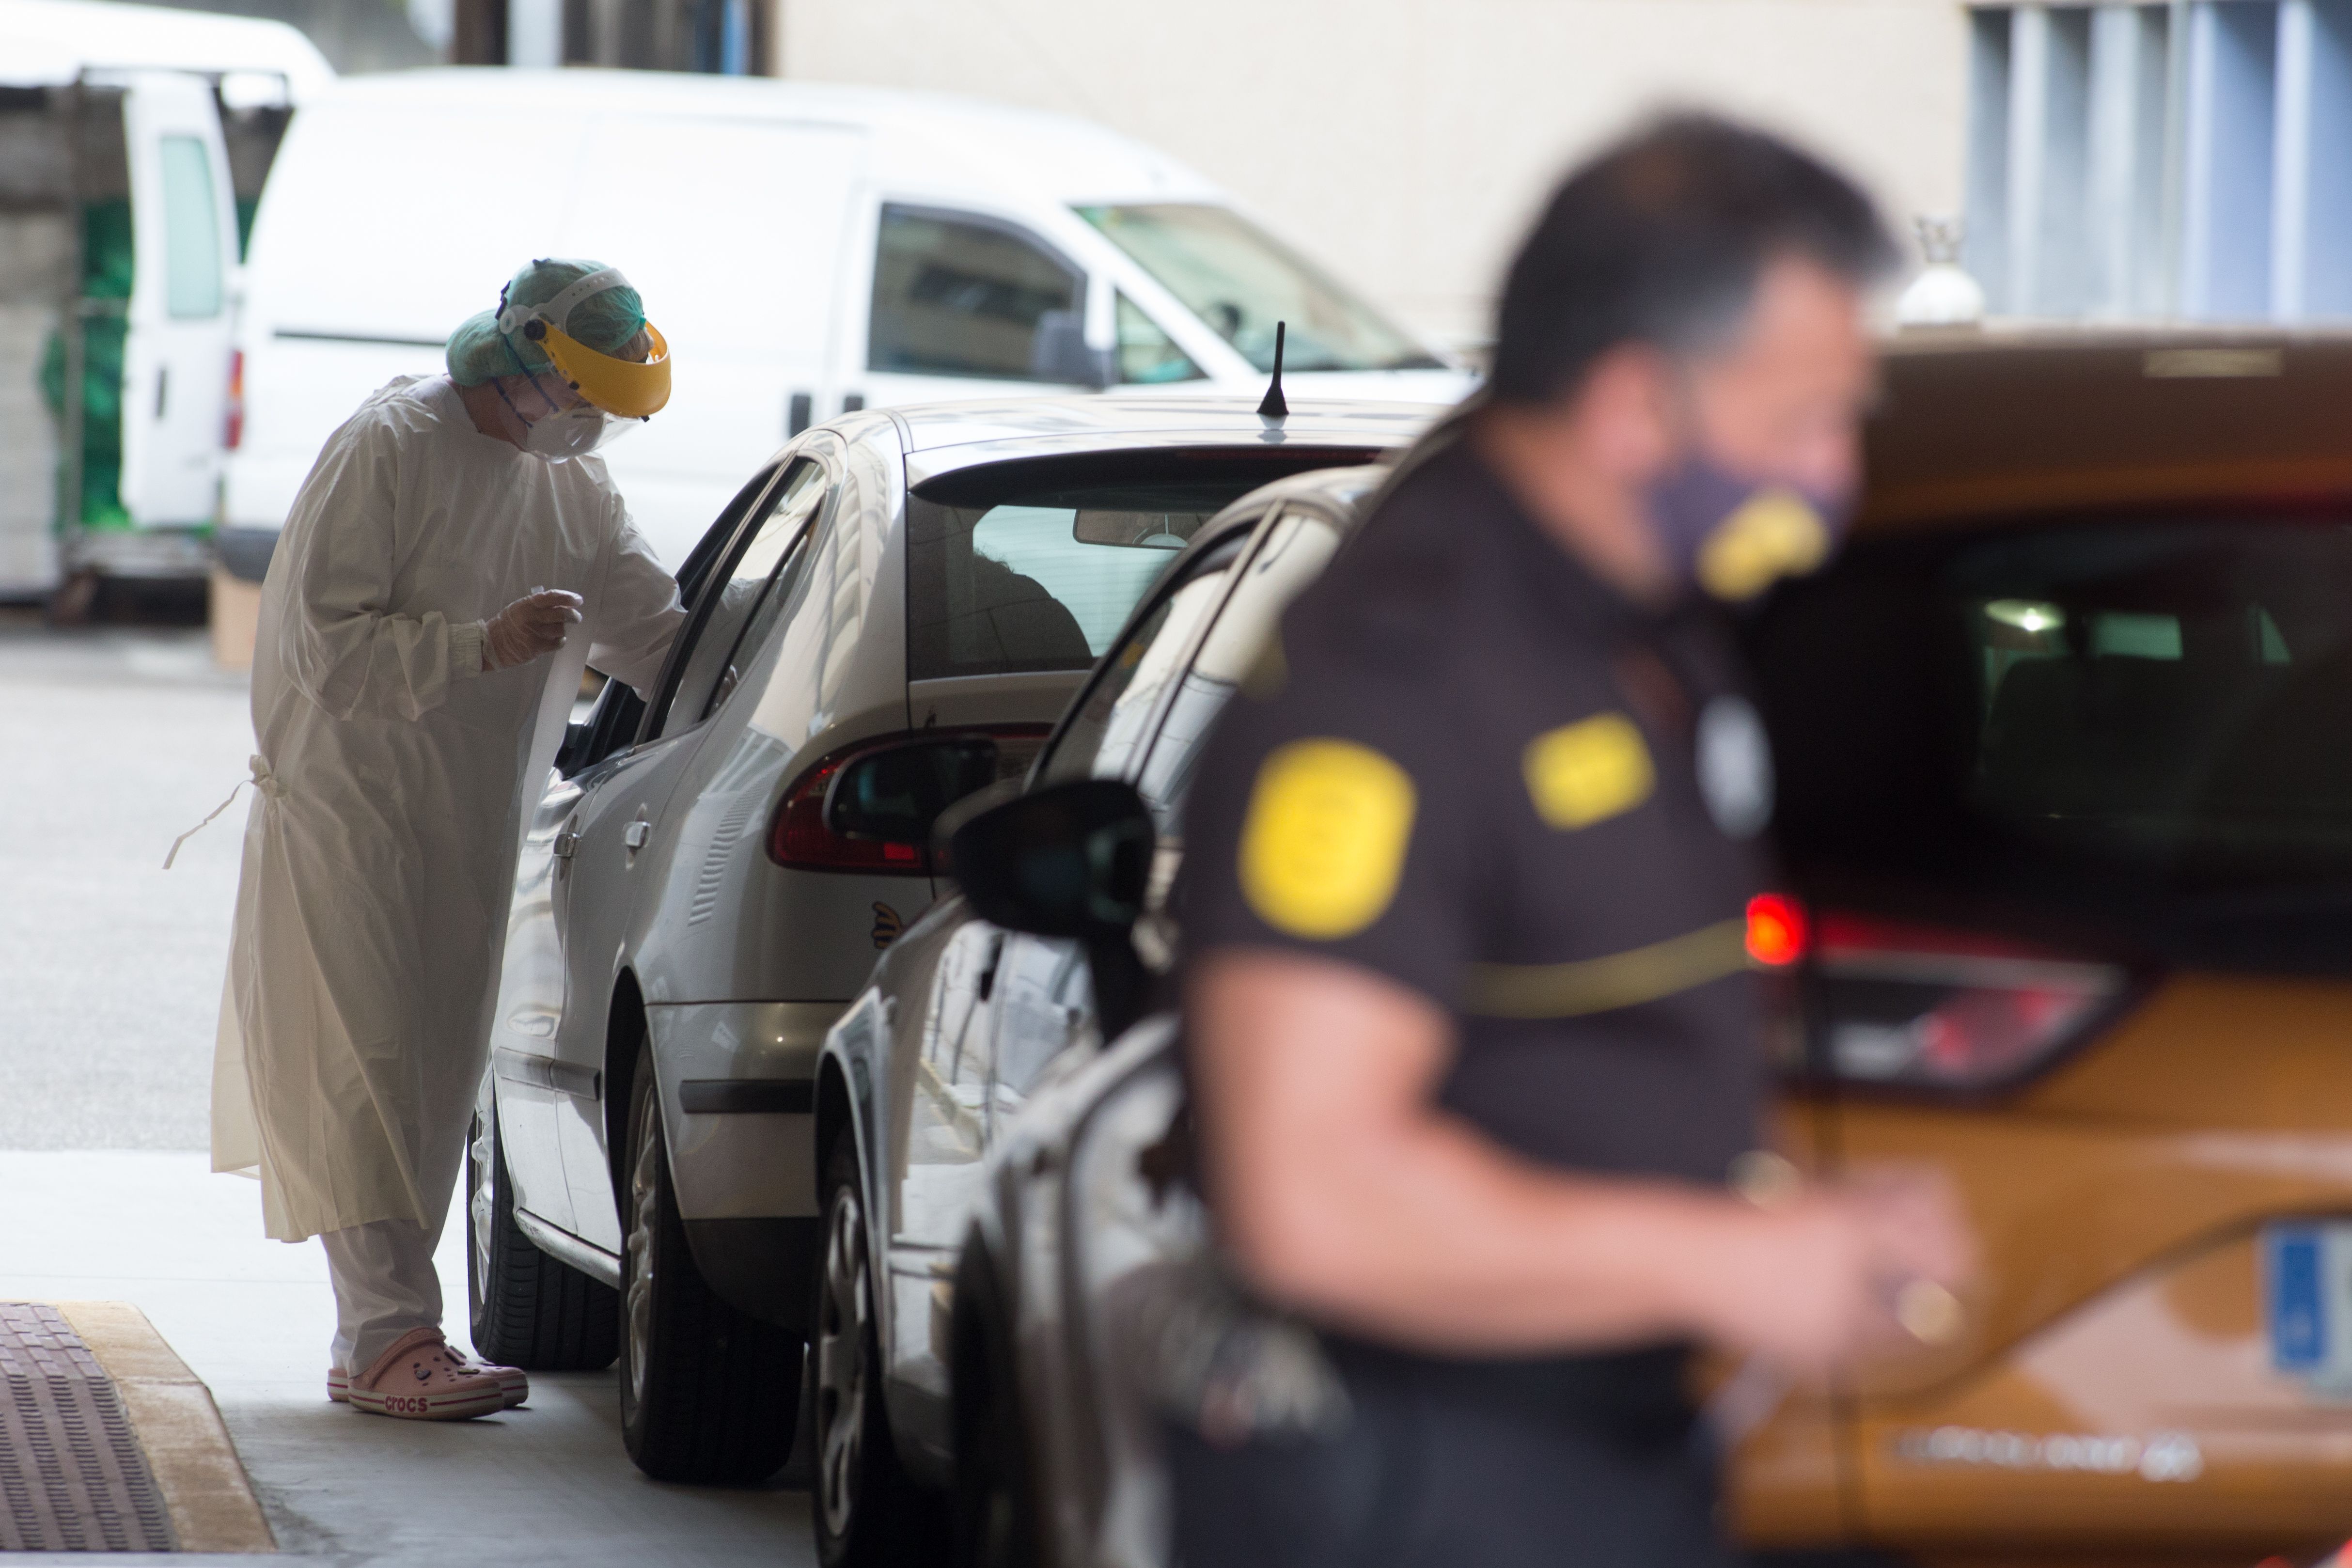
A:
{"x":1068,"y":860}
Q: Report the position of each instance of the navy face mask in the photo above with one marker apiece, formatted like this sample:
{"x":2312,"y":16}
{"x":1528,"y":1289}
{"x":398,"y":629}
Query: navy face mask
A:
{"x":1732,"y":536}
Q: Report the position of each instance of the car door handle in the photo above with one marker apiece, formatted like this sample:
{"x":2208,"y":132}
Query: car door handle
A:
{"x":638,"y":832}
{"x":162,"y":387}
{"x":567,"y":844}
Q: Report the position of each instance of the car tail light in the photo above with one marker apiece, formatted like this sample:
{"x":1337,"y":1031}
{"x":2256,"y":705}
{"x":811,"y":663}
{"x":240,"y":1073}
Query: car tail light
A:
{"x":807,"y":835}
{"x":233,"y":431}
{"x":1925,"y":1007}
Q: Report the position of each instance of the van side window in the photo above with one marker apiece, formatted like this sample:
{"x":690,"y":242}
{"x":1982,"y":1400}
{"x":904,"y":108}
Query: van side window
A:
{"x":192,"y":233}
{"x":1148,"y":356}
{"x":737,"y":605}
{"x":969,"y":297}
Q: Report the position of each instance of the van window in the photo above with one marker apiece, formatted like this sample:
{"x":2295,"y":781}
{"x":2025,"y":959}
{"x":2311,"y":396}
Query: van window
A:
{"x":1241,"y":282}
{"x":967,"y":297}
{"x":2134,"y":731}
{"x":1148,"y":356}
{"x":192,"y":236}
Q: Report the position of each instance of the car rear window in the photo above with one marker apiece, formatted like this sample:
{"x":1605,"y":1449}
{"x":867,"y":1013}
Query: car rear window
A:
{"x":1035,"y":567}
{"x":2133,"y":732}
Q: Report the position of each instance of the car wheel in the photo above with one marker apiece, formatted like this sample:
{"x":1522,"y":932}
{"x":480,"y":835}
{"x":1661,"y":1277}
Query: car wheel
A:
{"x":708,"y":1394}
{"x":995,"y":1502}
{"x":524,"y":1308}
{"x":869,"y":1511}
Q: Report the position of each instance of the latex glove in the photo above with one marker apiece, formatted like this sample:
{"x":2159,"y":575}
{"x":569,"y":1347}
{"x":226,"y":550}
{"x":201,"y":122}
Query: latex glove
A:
{"x":532,"y":625}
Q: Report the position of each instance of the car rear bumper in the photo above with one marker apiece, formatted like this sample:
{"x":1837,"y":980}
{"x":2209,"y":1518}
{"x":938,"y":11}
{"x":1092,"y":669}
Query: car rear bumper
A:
{"x":735,"y":1080}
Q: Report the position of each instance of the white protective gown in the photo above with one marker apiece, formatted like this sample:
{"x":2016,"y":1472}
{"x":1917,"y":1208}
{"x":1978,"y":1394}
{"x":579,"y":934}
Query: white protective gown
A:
{"x":379,"y":848}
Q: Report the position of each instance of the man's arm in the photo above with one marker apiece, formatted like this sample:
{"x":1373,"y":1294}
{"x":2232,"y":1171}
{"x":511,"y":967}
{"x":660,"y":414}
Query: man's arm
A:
{"x":1344,"y":1191}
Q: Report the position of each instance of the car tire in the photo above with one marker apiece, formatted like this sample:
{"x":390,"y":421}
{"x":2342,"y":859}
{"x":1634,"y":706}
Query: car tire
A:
{"x":524,"y":1308}
{"x":996,"y":1512}
{"x":869,"y":1511}
{"x":708,"y":1393}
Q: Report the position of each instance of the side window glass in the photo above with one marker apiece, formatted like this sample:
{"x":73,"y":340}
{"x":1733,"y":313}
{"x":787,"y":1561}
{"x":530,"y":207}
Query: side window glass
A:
{"x":1297,"y":549}
{"x":1106,"y":728}
{"x":968,"y":298}
{"x":192,"y":235}
{"x":734,"y":601}
{"x":1148,"y":356}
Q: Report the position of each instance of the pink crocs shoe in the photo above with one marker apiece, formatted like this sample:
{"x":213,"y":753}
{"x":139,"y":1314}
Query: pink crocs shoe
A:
{"x":420,"y":1378}
{"x":513,"y":1380}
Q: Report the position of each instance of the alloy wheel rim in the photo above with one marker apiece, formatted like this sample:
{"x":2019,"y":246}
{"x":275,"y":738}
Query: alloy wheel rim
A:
{"x":483,"y":1151}
{"x":643,"y":1174}
{"x":842,"y":1311}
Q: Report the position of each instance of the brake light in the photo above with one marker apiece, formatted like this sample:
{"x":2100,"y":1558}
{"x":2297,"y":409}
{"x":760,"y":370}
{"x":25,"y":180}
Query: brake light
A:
{"x":1924,"y":1007}
{"x":233,"y":431}
{"x":1777,"y":930}
{"x":801,"y":838}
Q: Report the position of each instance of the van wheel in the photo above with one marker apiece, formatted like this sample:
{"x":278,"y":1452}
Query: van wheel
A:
{"x":708,"y":1394}
{"x":995,"y":1501}
{"x":869,"y":1511}
{"x":524,"y":1308}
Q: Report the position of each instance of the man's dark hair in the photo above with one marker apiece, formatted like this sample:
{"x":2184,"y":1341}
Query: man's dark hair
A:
{"x":1661,"y":240}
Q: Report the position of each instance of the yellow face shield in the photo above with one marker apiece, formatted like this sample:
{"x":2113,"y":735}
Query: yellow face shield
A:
{"x":628,"y":388}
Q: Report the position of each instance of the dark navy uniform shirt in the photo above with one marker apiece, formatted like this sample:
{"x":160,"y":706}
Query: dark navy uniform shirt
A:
{"x":1470,"y":768}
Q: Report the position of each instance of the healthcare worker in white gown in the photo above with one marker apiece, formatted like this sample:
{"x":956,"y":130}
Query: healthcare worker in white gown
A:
{"x":453,"y":559}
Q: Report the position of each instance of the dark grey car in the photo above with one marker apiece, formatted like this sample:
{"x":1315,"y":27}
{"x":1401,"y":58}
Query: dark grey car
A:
{"x":939,"y":1113}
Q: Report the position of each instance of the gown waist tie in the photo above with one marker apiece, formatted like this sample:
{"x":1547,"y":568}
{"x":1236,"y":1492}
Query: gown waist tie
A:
{"x":267,"y":783}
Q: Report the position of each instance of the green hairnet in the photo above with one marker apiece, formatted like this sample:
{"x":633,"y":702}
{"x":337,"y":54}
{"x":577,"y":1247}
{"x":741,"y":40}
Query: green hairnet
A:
{"x":604,"y":322}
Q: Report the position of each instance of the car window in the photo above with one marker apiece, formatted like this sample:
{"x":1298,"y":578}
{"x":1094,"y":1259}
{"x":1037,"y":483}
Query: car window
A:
{"x":1042,"y":581}
{"x":2135,"y":727}
{"x":1105,"y":729}
{"x":1296,"y":548}
{"x":964,"y":296}
{"x":1148,"y":356}
{"x":741,"y":600}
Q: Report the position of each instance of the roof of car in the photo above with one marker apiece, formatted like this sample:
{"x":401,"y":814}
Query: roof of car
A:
{"x":2003,"y":423}
{"x":942,"y":437}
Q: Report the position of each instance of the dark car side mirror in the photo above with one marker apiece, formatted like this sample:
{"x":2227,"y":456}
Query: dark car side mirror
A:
{"x":895,"y":796}
{"x":1068,"y":860}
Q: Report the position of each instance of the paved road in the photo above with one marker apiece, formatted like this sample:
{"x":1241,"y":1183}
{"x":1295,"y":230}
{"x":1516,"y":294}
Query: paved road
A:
{"x":117,"y":741}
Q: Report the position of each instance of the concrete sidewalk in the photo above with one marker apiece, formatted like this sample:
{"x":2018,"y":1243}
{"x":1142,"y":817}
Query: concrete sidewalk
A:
{"x":543,"y":1484}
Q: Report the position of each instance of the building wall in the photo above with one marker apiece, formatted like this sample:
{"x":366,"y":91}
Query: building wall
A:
{"x":1407,"y":142}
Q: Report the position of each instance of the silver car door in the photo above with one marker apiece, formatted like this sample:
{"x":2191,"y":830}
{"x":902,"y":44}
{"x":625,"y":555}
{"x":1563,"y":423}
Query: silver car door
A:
{"x":615,"y":857}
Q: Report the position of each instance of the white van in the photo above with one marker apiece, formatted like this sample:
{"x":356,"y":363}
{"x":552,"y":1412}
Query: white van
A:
{"x":805,"y":248}
{"x":131,"y":137}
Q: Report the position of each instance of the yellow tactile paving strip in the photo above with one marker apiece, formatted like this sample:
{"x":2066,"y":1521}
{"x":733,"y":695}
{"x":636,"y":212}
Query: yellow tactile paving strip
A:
{"x":188,"y":1449}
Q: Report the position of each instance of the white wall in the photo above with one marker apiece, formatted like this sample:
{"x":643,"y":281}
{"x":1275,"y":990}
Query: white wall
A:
{"x":1407,"y":142}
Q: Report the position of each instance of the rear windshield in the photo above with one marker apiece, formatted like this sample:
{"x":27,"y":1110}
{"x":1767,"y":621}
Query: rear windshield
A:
{"x":2136,"y":733}
{"x":1036,"y":568}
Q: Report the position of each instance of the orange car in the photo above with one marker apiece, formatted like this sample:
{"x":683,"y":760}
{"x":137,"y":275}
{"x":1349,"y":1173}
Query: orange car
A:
{"x":2064,"y":744}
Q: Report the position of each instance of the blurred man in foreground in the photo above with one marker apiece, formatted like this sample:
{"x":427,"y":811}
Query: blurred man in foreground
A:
{"x":1477,"y":1058}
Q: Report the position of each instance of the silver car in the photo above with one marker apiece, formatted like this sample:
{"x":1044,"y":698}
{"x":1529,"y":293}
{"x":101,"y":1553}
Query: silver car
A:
{"x":944,"y":1096}
{"x":886,"y":618}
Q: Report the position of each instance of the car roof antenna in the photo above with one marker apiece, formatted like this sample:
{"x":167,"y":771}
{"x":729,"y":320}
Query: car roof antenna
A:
{"x":1273,"y":407}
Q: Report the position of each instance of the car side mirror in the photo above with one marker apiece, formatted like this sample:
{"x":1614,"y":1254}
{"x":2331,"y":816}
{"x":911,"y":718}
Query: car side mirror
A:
{"x":1058,"y":352}
{"x":896,"y":794}
{"x":1071,"y":861}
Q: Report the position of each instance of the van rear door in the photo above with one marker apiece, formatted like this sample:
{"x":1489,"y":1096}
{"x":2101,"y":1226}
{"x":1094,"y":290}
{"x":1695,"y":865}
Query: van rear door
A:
{"x":175,"y":355}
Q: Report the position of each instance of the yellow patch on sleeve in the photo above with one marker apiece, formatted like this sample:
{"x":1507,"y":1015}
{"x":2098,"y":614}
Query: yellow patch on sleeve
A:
{"x":1584,"y":772}
{"x":1324,"y":843}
